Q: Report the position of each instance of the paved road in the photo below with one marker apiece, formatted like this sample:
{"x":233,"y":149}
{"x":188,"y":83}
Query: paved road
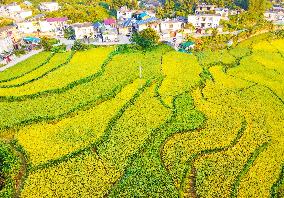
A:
{"x":20,"y":59}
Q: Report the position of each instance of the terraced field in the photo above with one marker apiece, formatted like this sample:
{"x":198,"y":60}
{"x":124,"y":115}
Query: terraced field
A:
{"x":84,"y":124}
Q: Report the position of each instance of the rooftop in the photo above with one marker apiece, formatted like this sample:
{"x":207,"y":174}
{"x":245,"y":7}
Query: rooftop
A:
{"x":80,"y":25}
{"x":62,"y":19}
{"x":109,"y":21}
{"x":48,"y":3}
{"x":6,"y":28}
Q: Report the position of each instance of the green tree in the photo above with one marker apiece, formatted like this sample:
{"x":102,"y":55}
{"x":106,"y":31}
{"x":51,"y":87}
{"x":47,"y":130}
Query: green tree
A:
{"x":257,"y":7}
{"x":69,"y":33}
{"x":147,"y":38}
{"x":47,"y":43}
{"x":79,"y":46}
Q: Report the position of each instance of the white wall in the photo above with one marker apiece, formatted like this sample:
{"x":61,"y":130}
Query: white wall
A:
{"x":171,"y":26}
{"x":49,"y":6}
{"x":14,"y":8}
{"x":124,"y":15}
{"x":6,"y":44}
{"x":80,"y":33}
{"x":26,"y":27}
{"x":25,"y":14}
{"x":204,"y":21}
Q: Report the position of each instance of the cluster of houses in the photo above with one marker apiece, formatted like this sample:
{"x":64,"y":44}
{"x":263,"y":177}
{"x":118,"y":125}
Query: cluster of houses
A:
{"x":111,"y":30}
{"x":17,"y":13}
{"x":275,"y":14}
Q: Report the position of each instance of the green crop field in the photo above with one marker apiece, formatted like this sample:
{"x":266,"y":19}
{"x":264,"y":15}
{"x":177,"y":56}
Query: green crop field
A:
{"x":89,"y":124}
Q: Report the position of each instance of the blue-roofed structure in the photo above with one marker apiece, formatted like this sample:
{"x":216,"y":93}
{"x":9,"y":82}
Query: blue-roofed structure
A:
{"x":149,"y":20}
{"x":128,"y":23}
{"x":31,"y":39}
{"x":97,"y":25}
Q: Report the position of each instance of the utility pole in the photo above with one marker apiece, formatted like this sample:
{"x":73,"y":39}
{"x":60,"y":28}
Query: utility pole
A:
{"x":140,"y":72}
{"x":140,"y":75}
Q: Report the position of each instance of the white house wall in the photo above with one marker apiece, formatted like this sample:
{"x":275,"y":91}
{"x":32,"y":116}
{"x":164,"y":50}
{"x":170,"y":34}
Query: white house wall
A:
{"x":6,"y":44}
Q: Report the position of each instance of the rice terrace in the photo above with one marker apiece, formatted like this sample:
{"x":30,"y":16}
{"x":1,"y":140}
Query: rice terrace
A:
{"x":114,"y":121}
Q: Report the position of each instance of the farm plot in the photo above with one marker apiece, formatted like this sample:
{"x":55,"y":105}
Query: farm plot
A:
{"x":47,"y":141}
{"x":181,"y":148}
{"x":252,"y":166}
{"x":183,"y":126}
{"x":133,"y":128}
{"x":86,"y":176}
{"x":81,"y":65}
{"x":65,"y":101}
{"x":25,"y":66}
{"x":57,"y":60}
{"x":181,"y":73}
{"x":264,"y":68}
{"x":146,"y":174}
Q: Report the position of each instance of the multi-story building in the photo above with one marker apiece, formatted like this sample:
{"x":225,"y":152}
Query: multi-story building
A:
{"x":204,"y":21}
{"x":124,"y":13}
{"x":54,"y":25}
{"x":28,"y":27}
{"x":223,"y":12}
{"x":49,"y":6}
{"x":23,"y":14}
{"x":204,"y":8}
{"x":274,"y":16}
{"x":171,"y":25}
{"x":13,"y":7}
{"x":83,"y":30}
{"x":8,"y":38}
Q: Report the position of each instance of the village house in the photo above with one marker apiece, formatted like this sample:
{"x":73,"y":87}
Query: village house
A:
{"x":277,"y":8}
{"x":6,"y":39}
{"x":204,"y":8}
{"x":151,"y":22}
{"x":28,"y":3}
{"x":110,"y":23}
{"x":171,"y":25}
{"x":83,"y":30}
{"x":235,"y":12}
{"x":125,"y":27}
{"x":152,"y":4}
{"x":28,"y":27}
{"x":23,"y":14}
{"x":110,"y":35}
{"x":204,"y":21}
{"x":54,"y":25}
{"x":223,"y":12}
{"x":13,"y":7}
{"x":49,"y":6}
{"x":124,"y":13}
{"x":274,"y":16}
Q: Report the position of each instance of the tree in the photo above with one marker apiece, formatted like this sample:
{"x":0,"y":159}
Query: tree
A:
{"x":147,"y":38}
{"x":257,"y":7}
{"x":79,"y":46}
{"x":47,"y":43}
{"x":69,"y":33}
